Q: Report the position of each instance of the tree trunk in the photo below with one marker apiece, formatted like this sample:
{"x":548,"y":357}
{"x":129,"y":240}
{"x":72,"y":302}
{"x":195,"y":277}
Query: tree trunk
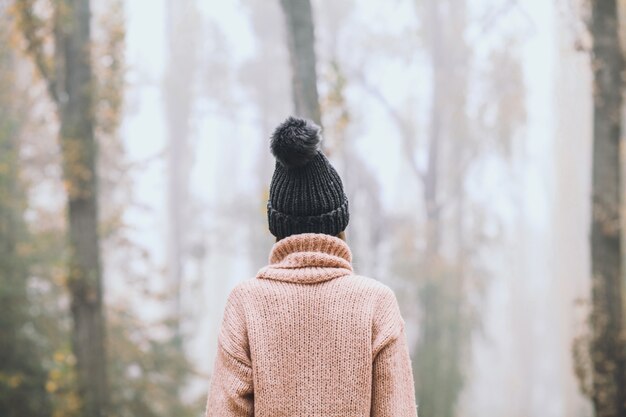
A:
{"x":608,"y":349}
{"x":179,"y":105}
{"x":431,"y":175}
{"x":444,"y":327}
{"x":301,"y":43}
{"x":79,"y":171}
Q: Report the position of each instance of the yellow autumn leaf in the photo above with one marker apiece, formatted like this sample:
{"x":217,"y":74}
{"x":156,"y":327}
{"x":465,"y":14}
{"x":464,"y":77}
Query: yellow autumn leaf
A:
{"x":59,"y":356}
{"x":51,"y":386}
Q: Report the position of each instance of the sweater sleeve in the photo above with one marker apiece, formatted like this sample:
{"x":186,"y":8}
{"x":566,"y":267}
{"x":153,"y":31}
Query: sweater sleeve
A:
{"x":231,"y":393}
{"x":393,"y":392}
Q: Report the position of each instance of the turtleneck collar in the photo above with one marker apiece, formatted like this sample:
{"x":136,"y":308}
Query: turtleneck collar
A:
{"x":308,"y":258}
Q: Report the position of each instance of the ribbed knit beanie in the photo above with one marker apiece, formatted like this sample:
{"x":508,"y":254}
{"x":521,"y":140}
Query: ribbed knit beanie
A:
{"x":306,"y":193}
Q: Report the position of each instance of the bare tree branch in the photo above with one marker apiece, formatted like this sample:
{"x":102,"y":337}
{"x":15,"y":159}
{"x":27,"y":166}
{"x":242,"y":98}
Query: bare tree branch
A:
{"x":30,"y":24}
{"x":494,"y":15}
{"x":405,"y":129}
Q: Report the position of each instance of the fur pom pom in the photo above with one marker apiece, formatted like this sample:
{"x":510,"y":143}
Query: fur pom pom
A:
{"x":295,"y":142}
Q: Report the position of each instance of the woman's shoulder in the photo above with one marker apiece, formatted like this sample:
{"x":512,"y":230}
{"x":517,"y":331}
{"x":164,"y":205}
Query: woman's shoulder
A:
{"x":244,"y":288}
{"x":370,"y":285}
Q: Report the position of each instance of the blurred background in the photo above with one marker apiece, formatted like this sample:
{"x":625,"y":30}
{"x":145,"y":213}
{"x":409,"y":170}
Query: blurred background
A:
{"x":134,"y":174}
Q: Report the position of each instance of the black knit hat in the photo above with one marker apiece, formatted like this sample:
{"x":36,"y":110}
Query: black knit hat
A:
{"x":306,"y":193}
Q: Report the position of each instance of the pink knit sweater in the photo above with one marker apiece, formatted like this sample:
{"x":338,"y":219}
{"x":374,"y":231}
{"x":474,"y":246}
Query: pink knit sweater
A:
{"x":308,"y":338}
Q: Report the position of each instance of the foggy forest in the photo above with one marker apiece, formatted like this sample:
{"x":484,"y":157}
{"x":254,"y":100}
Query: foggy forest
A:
{"x":481,"y":147}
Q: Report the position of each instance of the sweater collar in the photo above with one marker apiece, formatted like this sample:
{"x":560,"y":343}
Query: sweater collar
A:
{"x":308,"y":258}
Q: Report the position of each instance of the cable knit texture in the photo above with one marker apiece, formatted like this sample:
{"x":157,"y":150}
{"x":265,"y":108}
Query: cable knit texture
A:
{"x":308,"y":338}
